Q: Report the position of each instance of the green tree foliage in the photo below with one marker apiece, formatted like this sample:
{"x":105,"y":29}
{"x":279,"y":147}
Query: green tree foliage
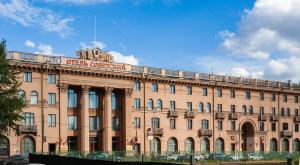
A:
{"x":11,"y":103}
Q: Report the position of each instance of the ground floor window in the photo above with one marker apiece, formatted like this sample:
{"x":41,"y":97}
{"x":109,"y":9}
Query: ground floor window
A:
{"x":4,"y":146}
{"x":155,"y":146}
{"x":115,"y":144}
{"x":204,"y":145}
{"x":273,"y":145}
{"x":94,"y":145}
{"x":296,"y":145}
{"x":27,"y":145}
{"x":285,"y":145}
{"x":220,"y":145}
{"x":72,"y":143}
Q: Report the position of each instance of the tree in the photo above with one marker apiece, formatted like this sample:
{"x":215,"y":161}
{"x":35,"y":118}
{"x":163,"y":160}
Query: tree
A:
{"x":11,"y":103}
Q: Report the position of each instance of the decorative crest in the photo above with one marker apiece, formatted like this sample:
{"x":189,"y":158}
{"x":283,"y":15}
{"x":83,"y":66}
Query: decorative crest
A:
{"x":95,"y":54}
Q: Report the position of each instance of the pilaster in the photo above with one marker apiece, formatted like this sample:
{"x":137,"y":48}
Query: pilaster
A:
{"x":84,"y":119}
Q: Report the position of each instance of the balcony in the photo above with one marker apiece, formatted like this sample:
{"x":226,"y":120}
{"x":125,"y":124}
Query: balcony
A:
{"x":220,"y":115}
{"x":155,"y":131}
{"x":262,"y":117}
{"x":189,"y":114}
{"x":297,"y":119}
{"x":28,"y":128}
{"x":274,"y":117}
{"x":173,"y":113}
{"x":205,"y":132}
{"x":233,"y":116}
{"x":286,"y":133}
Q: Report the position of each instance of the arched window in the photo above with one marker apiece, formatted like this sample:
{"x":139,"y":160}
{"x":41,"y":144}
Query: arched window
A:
{"x":285,"y":145}
{"x":273,"y":145}
{"x":93,"y":99}
{"x":27,"y":145}
{"x":282,"y":111}
{"x":220,"y":145}
{"x":159,"y":105}
{"x":189,"y":145}
{"x":288,"y":112}
{"x":33,"y":97}
{"x":155,"y":146}
{"x":4,"y":146}
{"x":150,"y":104}
{"x":72,"y":98}
{"x":250,"y":110}
{"x":208,"y":108}
{"x":22,"y":95}
{"x":205,"y":146}
{"x":244,"y":109}
{"x":296,"y":145}
{"x":200,"y":107}
{"x":172,"y":145}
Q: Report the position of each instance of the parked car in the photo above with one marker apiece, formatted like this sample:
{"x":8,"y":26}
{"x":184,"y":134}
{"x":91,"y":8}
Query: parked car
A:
{"x":183,"y":158}
{"x":98,"y":156}
{"x":160,"y":157}
{"x":255,"y":156}
{"x":173,"y":157}
{"x":16,"y":160}
{"x":199,"y":157}
{"x":220,"y":156}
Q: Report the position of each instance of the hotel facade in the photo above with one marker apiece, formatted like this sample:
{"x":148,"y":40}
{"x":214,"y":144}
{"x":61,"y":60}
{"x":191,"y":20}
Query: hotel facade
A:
{"x":91,"y":103}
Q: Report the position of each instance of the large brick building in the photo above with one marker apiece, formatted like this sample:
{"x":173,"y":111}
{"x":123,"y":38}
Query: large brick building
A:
{"x":93,"y":104}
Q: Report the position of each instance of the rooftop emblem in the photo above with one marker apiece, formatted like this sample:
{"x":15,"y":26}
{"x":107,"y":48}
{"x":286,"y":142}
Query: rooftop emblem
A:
{"x":95,"y":54}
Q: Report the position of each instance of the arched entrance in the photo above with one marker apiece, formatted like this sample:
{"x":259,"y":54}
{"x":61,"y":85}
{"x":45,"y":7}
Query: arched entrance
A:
{"x":4,"y":146}
{"x":248,"y":137}
{"x":27,"y":145}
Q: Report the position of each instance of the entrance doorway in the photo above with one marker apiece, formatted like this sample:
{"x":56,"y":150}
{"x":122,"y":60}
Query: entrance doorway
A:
{"x":52,"y":148}
{"x":248,"y":137}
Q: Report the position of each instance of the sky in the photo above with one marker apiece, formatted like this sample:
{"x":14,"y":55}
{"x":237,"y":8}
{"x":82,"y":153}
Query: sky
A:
{"x":249,"y":38}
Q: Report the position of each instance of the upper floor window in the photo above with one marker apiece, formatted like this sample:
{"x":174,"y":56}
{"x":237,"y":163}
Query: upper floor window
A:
{"x":208,"y":107}
{"x":261,"y":126}
{"x":285,"y":126}
{"x":137,"y":104}
{"x":189,"y":90}
{"x":94,"y":123}
{"x":261,"y":110}
{"x":27,"y":77}
{"x":172,"y":105}
{"x":172,"y":124}
{"x":154,"y":87}
{"x":204,"y":92}
{"x":273,"y":111}
{"x":51,"y":98}
{"x":33,"y":97}
{"x":28,"y":118}
{"x":204,"y":124}
{"x":137,"y":86}
{"x":261,"y":96}
{"x":232,"y":93}
{"x":282,"y":111}
{"x":273,"y":127}
{"x":244,"y":109}
{"x":220,"y":125}
{"x":150,"y":104}
{"x":189,"y":124}
{"x":296,"y":112}
{"x":155,"y":123}
{"x":51,"y":120}
{"x":219,"y":108}
{"x":93,"y":99}
{"x":200,"y":107}
{"x":232,"y":125}
{"x":114,"y":101}
{"x":284,"y":98}
{"x":273,"y":97}
{"x":296,"y":127}
{"x":189,"y":106}
{"x":296,"y":99}
{"x":288,"y":112}
{"x":51,"y":79}
{"x":219,"y":92}
{"x":72,"y":122}
{"x":137,"y":122}
{"x":232,"y":108}
{"x":251,"y":110}
{"x":22,"y":95}
{"x":72,"y":98}
{"x":172,"y":89}
{"x":248,"y":95}
{"x":115,"y":123}
{"x":159,"y":105}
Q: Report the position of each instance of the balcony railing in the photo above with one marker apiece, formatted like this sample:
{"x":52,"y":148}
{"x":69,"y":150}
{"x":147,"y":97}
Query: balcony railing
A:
{"x":155,"y":131}
{"x":28,"y":128}
{"x":233,"y":116}
{"x":220,"y":115}
{"x":173,"y":113}
{"x":262,"y":117}
{"x":286,"y":133}
{"x":205,"y":132}
{"x":274,"y":117}
{"x":189,"y":114}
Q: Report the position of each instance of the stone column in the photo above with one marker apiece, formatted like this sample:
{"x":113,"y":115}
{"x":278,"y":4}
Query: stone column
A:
{"x":84,"y":119}
{"x":63,"y":117}
{"x":107,"y":120}
{"x":127,"y":127}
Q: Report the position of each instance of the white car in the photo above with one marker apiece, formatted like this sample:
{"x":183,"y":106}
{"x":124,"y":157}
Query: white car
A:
{"x":199,"y":157}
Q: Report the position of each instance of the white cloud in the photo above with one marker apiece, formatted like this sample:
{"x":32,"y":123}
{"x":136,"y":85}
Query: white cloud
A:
{"x":30,"y":43}
{"x":120,"y":58}
{"x":92,"y":44}
{"x":26,"y":14}
{"x":41,"y":48}
{"x":80,"y":2}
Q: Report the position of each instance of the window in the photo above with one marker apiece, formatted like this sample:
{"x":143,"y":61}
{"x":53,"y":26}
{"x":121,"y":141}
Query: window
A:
{"x":137,"y":86}
{"x":296,"y":127}
{"x":219,"y":92}
{"x":244,"y":109}
{"x":137,"y":104}
{"x":261,"y":110}
{"x":22,"y":95}
{"x":72,"y":99}
{"x":232,"y":94}
{"x":296,"y":99}
{"x":159,"y":105}
{"x":27,"y":77}
{"x":282,"y":112}
{"x":51,"y":98}
{"x":114,"y":101}
{"x":285,"y":126}
{"x":72,"y":143}
{"x":204,"y":92}
{"x":154,"y":87}
{"x":33,"y":97}
{"x":189,"y":90}
{"x":154,"y":122}
{"x":137,"y":122}
{"x":189,"y":106}
{"x":204,"y":124}
{"x":273,"y":127}
{"x":284,"y":98}
{"x":273,"y":111}
{"x":220,"y":125}
{"x":200,"y":107}
{"x":219,"y":108}
{"x":248,"y":95}
{"x":51,"y":120}
{"x":93,"y":99}
{"x":115,"y":123}
{"x":172,"y":89}
{"x":208,"y":108}
{"x":150,"y":104}
{"x":172,"y":105}
{"x":28,"y":118}
{"x":261,"y":96}
{"x":72,"y":122}
{"x":296,"y":112}
{"x":273,"y":97}
{"x":172,"y":124}
{"x":232,"y":108}
{"x":232,"y":125}
{"x":51,"y":79}
{"x":94,"y":123}
{"x":251,"y":110}
{"x":189,"y":124}
{"x":288,"y":112}
{"x":261,"y":126}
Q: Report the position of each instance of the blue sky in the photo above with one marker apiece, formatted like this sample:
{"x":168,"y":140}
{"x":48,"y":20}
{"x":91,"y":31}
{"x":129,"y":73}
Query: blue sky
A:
{"x":231,"y":36}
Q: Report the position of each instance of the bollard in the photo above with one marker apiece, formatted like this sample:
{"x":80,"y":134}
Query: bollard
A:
{"x":191,"y":159}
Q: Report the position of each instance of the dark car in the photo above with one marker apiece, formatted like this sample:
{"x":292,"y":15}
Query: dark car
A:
{"x":184,"y":158}
{"x":219,"y":156}
{"x":16,"y":160}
